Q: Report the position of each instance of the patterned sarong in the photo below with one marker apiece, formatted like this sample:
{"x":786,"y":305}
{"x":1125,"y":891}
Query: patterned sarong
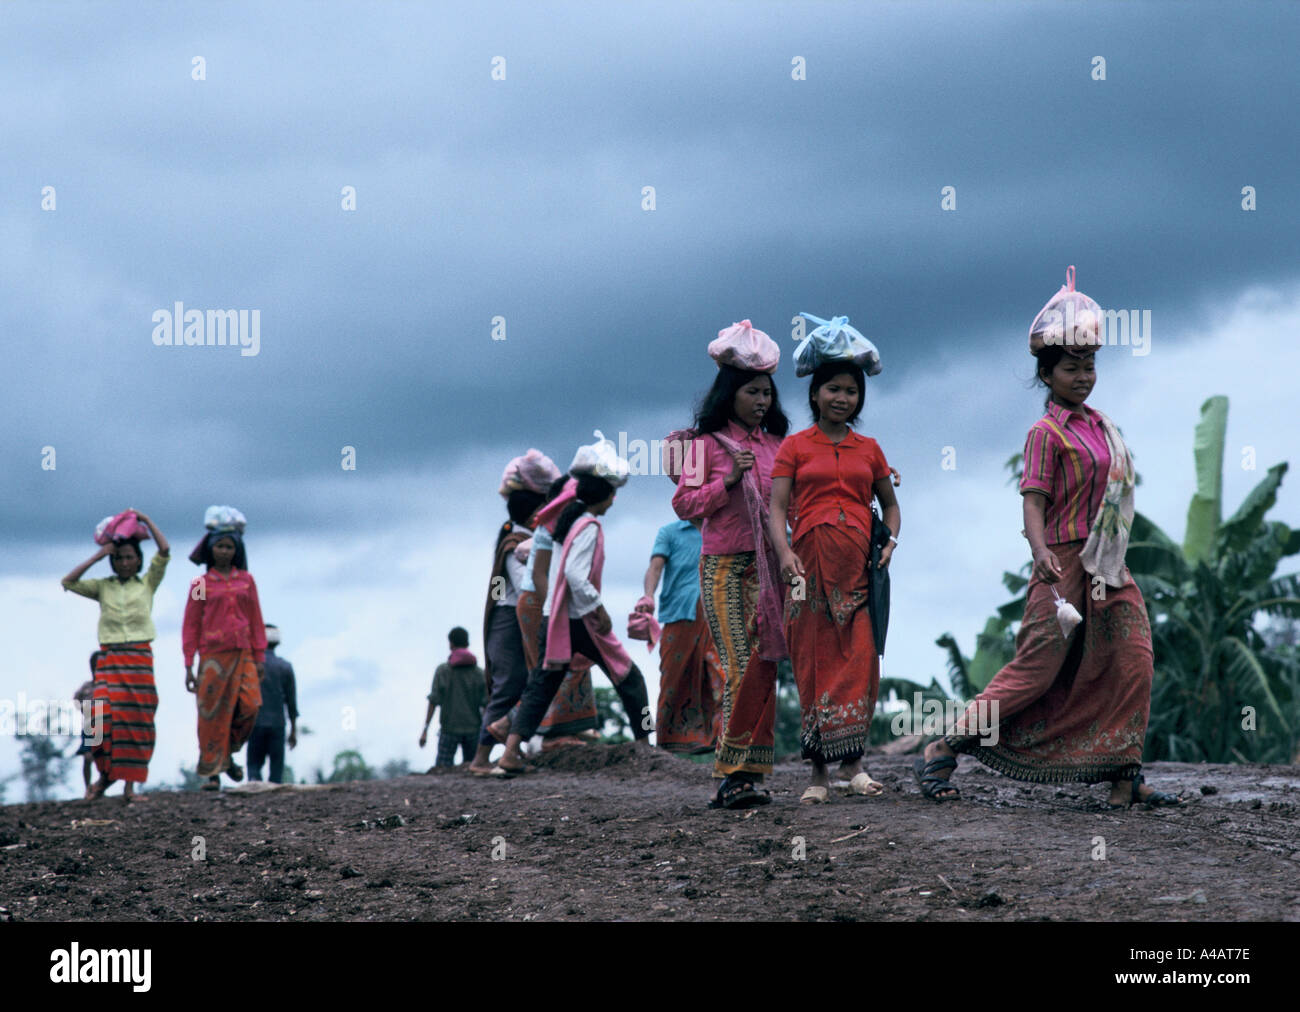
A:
{"x":729,"y":592}
{"x":574,"y":706}
{"x":126,"y":697}
{"x":1069,"y":711}
{"x":229,"y":696}
{"x":832,"y":651}
{"x":691,"y":686}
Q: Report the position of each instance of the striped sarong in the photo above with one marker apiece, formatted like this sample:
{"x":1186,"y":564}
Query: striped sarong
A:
{"x":126,"y":696}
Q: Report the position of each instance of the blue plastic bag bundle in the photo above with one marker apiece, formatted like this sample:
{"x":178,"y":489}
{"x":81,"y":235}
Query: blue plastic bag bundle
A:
{"x":834,"y":341}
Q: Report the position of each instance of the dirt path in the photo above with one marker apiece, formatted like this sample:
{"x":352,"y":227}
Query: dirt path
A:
{"x":614,"y":833}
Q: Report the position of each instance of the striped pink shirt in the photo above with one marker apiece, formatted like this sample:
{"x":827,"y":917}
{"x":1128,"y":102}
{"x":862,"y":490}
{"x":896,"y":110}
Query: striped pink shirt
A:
{"x":1066,"y":459}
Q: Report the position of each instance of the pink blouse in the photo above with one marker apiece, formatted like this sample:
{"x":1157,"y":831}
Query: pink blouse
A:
{"x":702,"y":492}
{"x":223,"y":613}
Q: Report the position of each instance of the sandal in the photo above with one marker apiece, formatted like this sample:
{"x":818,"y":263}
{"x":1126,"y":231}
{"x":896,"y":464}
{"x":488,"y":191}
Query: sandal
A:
{"x":933,"y":787}
{"x":211,"y":784}
{"x":737,"y":791}
{"x":1157,"y":799}
{"x":815,"y":796}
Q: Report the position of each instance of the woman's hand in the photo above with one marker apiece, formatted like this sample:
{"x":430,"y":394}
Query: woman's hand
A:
{"x":191,"y":683}
{"x":647,"y":607}
{"x":898,"y":478}
{"x":886,"y":554}
{"x":791,"y":566}
{"x":603,"y":624}
{"x":740,"y":463}
{"x":1046,"y":565}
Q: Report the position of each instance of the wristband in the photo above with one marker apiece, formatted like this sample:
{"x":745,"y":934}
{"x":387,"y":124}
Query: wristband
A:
{"x":893,"y":539}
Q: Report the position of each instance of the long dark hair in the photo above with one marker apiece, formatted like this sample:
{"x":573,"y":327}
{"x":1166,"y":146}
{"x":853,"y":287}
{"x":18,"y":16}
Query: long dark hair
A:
{"x":717,"y":407}
{"x":826,"y":372}
{"x":521,"y":504}
{"x":1047,"y":358}
{"x":591,"y":489}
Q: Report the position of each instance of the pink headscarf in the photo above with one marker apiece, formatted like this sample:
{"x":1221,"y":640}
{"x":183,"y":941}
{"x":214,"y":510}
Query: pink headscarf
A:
{"x":742,"y":346}
{"x":549,"y":514}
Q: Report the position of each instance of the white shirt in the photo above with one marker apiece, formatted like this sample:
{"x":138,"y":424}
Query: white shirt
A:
{"x":583,"y":595}
{"x":514,"y":575}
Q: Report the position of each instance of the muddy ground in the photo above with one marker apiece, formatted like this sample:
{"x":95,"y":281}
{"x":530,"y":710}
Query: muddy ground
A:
{"x":617,"y":833}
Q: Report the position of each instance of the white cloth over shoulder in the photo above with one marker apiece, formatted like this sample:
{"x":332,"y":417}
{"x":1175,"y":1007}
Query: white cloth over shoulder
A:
{"x":583,"y":595}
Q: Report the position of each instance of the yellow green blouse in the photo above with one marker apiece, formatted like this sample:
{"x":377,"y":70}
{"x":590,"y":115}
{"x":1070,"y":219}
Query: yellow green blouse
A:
{"x":125,"y":609}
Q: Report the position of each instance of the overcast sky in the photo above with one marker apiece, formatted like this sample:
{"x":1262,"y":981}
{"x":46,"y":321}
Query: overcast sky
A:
{"x":199,"y":154}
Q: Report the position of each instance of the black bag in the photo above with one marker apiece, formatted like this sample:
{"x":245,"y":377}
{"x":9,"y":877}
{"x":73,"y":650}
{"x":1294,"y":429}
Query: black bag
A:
{"x":878,"y":586}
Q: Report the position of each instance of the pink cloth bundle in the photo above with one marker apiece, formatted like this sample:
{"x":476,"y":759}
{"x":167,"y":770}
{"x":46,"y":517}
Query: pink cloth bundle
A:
{"x":1070,"y":318}
{"x":125,"y":525}
{"x":642,"y":625}
{"x":533,"y":471}
{"x":742,"y":346}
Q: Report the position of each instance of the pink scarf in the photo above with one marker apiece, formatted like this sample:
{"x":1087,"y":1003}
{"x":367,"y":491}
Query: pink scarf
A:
{"x":559,"y":649}
{"x":642,"y":625}
{"x":771,"y":639}
{"x":549,"y":515}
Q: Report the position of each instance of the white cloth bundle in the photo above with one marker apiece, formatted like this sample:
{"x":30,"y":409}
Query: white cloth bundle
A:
{"x":601,"y":459}
{"x":224,"y":518}
{"x":1067,"y":615}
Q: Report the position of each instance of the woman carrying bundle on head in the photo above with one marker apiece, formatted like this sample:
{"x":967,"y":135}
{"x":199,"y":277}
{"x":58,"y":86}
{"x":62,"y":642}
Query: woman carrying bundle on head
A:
{"x":124,"y":694}
{"x":825,"y":478}
{"x":726,"y":483}
{"x":579,"y":622}
{"x":223,"y":626}
{"x":1072,"y":707}
{"x":523,"y":486}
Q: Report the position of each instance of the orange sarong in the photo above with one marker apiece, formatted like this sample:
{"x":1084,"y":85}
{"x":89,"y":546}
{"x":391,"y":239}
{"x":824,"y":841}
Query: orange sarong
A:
{"x":832,"y":650}
{"x":229,"y":696}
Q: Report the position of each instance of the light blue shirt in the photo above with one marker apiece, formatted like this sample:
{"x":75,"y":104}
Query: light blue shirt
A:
{"x":679,"y":543}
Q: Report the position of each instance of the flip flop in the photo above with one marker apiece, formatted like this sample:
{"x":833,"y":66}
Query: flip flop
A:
{"x":864,"y":785}
{"x":738,"y":792}
{"x":489,"y":772}
{"x":815,"y":796}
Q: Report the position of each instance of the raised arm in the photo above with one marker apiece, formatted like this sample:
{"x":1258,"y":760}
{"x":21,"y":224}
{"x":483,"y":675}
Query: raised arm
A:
{"x":88,"y":588}
{"x":163,"y":547}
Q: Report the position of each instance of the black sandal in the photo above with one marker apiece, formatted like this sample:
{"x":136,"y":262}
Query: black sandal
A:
{"x":737,"y":791}
{"x":932,"y":786}
{"x":1157,"y":799}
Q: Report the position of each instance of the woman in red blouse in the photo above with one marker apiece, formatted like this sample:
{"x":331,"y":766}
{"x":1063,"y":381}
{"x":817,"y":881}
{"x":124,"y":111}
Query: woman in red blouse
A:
{"x":224,"y":627}
{"x":824,"y":478}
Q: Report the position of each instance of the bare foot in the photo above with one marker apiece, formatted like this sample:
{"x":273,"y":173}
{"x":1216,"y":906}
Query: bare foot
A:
{"x":500,"y":729}
{"x":97,"y":789}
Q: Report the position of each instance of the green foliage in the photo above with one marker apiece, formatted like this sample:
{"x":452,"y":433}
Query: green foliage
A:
{"x":789,"y":715}
{"x":391,"y":770}
{"x":1206,"y":508}
{"x":348,"y":766}
{"x":44,"y":767}
{"x":609,"y":711}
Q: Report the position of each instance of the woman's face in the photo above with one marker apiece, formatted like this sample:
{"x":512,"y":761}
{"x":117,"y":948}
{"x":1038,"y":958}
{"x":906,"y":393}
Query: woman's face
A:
{"x":126,"y":561}
{"x":1072,"y":379}
{"x":223,"y":553}
{"x":601,"y":508}
{"x":752,"y":402}
{"x":838,"y":398}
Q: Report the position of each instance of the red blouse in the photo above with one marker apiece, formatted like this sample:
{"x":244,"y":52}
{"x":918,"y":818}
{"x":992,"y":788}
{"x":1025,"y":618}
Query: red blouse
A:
{"x":223,"y":613}
{"x":831,"y":481}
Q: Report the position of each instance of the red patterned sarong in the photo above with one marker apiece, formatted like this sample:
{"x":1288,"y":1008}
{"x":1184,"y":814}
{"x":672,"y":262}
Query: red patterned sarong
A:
{"x":691,"y":686}
{"x":1069,"y":711}
{"x":729,"y":592}
{"x":832,"y":651}
{"x":574,"y":706}
{"x":229,"y":696}
{"x":126,"y":697}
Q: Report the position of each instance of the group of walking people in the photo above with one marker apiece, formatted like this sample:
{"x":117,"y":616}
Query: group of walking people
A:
{"x":797,"y":531}
{"x":223,"y":631}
